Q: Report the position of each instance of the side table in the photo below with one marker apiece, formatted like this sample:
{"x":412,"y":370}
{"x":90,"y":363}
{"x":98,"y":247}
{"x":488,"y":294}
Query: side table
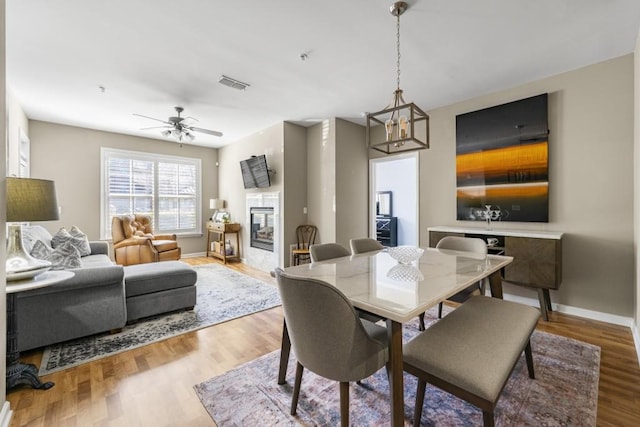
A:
{"x":221,"y":229}
{"x":21,"y":373}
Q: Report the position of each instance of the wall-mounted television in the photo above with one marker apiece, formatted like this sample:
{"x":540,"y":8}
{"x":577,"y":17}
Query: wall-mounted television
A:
{"x":255,"y":173}
{"x":502,"y":162}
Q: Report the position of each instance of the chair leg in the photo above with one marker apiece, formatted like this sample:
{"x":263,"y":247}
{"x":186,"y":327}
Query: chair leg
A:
{"x":296,"y":388}
{"x":344,"y":404}
{"x":488,"y":419}
{"x":421,"y":325}
{"x":417,"y":413}
{"x":529,"y":356}
{"x":440,"y":311}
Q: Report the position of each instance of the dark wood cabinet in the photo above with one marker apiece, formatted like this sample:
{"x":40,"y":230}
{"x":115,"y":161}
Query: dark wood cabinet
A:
{"x":387,"y":230}
{"x":537,"y":257}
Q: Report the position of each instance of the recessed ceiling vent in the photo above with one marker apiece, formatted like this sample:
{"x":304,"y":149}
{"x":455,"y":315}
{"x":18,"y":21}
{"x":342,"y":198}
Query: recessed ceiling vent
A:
{"x":236,"y":84}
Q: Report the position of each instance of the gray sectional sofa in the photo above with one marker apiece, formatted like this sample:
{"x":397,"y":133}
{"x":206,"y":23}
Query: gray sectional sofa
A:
{"x":95,"y":300}
{"x":92,"y":301}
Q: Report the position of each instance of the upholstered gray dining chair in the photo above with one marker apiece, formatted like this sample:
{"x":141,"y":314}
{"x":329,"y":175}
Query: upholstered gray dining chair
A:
{"x":326,"y":251}
{"x":340,"y":347}
{"x":467,"y":244}
{"x":366,"y":244}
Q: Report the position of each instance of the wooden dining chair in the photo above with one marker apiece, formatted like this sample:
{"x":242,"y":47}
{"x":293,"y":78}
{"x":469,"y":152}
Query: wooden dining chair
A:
{"x":306,"y":236}
{"x":341,"y":347}
{"x":366,"y":244}
{"x":326,"y":251}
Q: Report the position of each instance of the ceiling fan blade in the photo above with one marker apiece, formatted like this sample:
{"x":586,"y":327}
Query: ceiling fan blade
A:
{"x":151,"y":118}
{"x":155,"y":127}
{"x":207,"y":131}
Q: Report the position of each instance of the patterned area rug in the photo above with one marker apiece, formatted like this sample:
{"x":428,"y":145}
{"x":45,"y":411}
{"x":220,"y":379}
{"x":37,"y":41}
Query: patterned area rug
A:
{"x":564,"y":393}
{"x":222,"y":294}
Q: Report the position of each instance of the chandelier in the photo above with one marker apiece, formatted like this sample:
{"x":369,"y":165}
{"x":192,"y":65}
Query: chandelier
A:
{"x":405,"y":125}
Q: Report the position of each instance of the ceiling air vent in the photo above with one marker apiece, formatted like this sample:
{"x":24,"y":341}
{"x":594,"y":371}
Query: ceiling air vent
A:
{"x":236,"y":84}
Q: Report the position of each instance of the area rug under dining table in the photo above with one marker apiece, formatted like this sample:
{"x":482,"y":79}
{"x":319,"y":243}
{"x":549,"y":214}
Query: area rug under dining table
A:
{"x":222,"y":294}
{"x":564,"y":393}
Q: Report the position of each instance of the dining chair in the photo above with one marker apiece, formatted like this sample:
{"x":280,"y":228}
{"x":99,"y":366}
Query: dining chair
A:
{"x":366,"y":244}
{"x":466,"y":244}
{"x":306,"y":236}
{"x":326,"y":251}
{"x":341,"y":347}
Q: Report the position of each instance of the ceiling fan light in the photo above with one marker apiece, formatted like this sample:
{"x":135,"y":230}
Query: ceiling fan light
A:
{"x":166,"y":133}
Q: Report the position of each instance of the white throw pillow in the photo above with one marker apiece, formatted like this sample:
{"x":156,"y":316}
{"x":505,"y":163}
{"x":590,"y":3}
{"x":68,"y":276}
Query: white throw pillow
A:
{"x":32,"y":233}
{"x":79,"y":241}
{"x":65,"y":256}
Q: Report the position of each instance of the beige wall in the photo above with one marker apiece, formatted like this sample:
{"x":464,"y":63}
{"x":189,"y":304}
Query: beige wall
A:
{"x":321,"y":184}
{"x":338,"y":180}
{"x":71,"y":157}
{"x":295,"y":184}
{"x":591,"y":180}
{"x":352,"y":182}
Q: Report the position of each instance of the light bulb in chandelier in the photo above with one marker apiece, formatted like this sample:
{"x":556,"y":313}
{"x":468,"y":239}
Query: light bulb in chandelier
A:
{"x":403,"y":124}
{"x":389,"y":127}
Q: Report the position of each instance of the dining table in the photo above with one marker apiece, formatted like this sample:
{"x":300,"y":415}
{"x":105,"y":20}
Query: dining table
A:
{"x":376,"y":282}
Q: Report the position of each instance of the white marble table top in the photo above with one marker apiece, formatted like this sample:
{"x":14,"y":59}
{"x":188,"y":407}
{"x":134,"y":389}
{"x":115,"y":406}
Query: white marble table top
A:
{"x":379,"y":284}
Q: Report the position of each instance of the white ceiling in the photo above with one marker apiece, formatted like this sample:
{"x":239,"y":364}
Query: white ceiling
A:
{"x":151,"y":55}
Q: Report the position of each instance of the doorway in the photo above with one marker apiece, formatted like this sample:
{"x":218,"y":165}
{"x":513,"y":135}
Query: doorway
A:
{"x":397,"y":176}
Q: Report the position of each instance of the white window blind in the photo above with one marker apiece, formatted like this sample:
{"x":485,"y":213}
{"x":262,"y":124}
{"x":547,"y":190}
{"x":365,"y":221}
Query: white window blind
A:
{"x":166,"y":188}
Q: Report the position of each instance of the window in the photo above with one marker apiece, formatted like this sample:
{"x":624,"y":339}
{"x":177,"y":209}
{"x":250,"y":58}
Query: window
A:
{"x":166,"y":188}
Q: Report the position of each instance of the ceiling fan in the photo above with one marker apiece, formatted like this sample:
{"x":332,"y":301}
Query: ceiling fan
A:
{"x":180,"y":128}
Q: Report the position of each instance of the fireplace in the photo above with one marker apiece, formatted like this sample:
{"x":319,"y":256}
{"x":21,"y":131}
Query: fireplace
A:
{"x":262,"y":222}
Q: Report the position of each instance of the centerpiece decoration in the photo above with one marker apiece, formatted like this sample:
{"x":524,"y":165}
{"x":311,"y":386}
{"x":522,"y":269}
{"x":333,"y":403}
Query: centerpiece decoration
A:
{"x":405,"y":254}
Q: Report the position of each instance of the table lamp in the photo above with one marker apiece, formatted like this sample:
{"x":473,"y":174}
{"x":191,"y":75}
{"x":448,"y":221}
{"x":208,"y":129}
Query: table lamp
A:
{"x":27,"y":200}
{"x":215,"y":205}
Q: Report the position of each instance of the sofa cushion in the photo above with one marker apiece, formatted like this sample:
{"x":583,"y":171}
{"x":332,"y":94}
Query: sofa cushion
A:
{"x":164,"y":245}
{"x":97,"y":260}
{"x":152,"y":277}
{"x":63,"y":257}
{"x":81,"y":243}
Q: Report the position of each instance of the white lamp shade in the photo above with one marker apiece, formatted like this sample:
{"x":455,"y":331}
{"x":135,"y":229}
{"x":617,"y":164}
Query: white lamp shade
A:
{"x":216,"y":203}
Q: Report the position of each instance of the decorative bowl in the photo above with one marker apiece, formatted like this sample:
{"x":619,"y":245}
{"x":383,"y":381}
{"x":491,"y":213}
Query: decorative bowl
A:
{"x":405,"y":273}
{"x":405,"y":254}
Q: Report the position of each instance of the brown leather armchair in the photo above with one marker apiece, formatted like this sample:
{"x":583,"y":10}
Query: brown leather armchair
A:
{"x":135,"y":243}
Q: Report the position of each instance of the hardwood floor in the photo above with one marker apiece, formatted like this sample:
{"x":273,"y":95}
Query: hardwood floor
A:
{"x":153,"y":385}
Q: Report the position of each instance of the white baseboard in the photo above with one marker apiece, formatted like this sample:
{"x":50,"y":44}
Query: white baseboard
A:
{"x":575,"y":311}
{"x":5,"y":415}
{"x":636,"y":339}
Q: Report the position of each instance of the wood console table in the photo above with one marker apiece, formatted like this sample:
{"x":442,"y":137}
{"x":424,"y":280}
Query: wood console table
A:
{"x":537,"y":256}
{"x":218,"y":250}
